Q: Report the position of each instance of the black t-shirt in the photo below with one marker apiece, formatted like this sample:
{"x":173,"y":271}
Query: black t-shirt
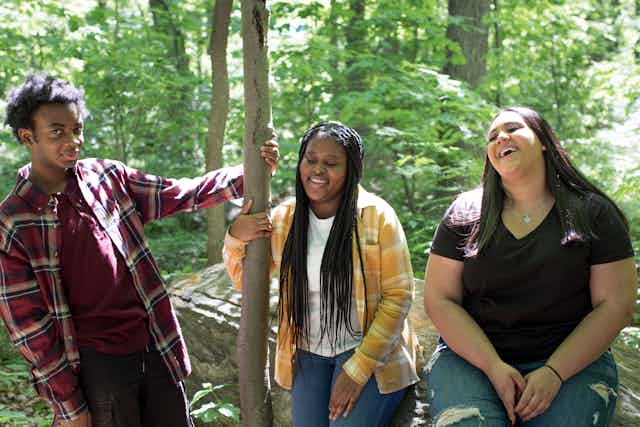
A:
{"x":528,"y":294}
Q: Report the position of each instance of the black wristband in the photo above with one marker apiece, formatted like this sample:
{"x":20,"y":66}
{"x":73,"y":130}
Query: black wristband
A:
{"x":555,"y":372}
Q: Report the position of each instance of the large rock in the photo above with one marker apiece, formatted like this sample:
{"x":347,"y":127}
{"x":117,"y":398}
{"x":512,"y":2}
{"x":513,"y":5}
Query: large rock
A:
{"x":209,"y":311}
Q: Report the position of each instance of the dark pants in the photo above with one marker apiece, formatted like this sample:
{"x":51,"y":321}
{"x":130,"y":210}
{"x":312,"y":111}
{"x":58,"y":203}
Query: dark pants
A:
{"x":133,"y":390}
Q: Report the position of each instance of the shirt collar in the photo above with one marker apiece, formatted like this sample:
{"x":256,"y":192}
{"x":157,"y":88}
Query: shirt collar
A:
{"x":31,"y":194}
{"x":365,"y":198}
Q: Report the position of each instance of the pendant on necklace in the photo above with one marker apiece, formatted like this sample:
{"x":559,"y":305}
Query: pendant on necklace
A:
{"x":526,"y":218}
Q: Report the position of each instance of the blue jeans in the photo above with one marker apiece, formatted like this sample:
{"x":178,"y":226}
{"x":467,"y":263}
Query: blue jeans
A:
{"x":459,"y":390}
{"x":312,"y":384}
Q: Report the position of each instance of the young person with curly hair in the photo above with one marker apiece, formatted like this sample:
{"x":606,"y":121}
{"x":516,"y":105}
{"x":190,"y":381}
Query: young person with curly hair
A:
{"x":80,"y":292}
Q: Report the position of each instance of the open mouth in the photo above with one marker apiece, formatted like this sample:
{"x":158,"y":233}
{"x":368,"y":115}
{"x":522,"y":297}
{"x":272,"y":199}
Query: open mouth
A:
{"x":316,"y":180}
{"x":507,"y":151}
{"x":70,"y":155}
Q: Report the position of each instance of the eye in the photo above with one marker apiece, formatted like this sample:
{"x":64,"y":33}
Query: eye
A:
{"x":56,"y":132}
{"x":492,"y":137}
{"x":331,"y":164}
{"x":78,"y":131}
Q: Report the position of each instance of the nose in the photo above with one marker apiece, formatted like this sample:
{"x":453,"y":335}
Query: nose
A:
{"x":76,"y":139}
{"x":502,"y":136}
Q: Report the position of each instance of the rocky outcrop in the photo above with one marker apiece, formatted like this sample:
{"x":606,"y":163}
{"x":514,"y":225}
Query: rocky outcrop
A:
{"x":209,"y":311}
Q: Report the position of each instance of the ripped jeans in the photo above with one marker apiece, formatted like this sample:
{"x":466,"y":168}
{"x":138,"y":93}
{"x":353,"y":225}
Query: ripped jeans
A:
{"x":461,"y":395}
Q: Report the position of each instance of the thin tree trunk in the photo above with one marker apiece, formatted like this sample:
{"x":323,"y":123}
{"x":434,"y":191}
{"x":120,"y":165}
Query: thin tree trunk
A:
{"x":255,"y":393}
{"x":179,"y":107}
{"x":472,"y":36}
{"x":414,"y":46}
{"x":334,"y":28}
{"x":555,"y":75}
{"x":217,"y":119}
{"x":355,"y":35}
{"x":498,"y":47}
{"x":164,"y":24}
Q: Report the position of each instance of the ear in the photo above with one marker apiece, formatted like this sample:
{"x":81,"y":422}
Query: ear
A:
{"x":26,"y":136}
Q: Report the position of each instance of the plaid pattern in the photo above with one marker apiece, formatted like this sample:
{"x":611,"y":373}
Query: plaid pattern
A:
{"x":388,"y":349}
{"x":32,"y":299}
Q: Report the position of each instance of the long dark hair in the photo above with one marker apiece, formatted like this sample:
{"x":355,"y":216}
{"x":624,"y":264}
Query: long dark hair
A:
{"x":564,"y":181}
{"x":336,"y":269}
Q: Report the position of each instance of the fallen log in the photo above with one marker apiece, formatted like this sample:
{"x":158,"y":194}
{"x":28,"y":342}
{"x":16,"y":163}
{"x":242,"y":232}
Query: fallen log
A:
{"x":209,"y":311}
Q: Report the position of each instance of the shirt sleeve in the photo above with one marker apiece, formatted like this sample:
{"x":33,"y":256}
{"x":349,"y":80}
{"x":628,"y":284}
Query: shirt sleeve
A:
{"x":157,"y":197}
{"x":233,"y":253}
{"x":449,"y":239}
{"x":610,"y":241}
{"x":396,"y":296}
{"x":448,"y":242}
{"x":234,"y":250}
{"x":32,"y":330}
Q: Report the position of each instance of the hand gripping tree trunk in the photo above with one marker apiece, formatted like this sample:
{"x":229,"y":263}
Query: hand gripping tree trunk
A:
{"x":217,"y":119}
{"x":255,"y":394}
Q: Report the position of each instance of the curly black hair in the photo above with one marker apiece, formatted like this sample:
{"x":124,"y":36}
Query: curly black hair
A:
{"x":38,"y":90}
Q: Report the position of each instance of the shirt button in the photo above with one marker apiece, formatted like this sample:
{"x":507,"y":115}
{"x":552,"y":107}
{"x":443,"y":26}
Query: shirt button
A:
{"x":69,"y":338}
{"x":55,"y":254}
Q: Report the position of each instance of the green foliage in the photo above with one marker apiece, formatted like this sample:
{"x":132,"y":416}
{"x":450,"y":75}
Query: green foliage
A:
{"x":577,"y":62}
{"x":631,"y":337}
{"x":19,"y":404}
{"x":177,"y":250}
{"x":214,"y":409}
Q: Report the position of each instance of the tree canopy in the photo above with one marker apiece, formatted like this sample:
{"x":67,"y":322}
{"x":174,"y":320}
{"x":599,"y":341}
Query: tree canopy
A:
{"x":380,"y":67}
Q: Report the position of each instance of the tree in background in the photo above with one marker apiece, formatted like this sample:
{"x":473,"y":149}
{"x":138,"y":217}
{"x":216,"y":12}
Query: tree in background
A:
{"x":468,"y":30}
{"x":217,"y":119}
{"x":576,"y":62}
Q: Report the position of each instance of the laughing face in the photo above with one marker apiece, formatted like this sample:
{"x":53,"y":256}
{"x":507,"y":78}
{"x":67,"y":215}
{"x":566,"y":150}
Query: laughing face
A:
{"x":323,"y":171}
{"x":513,"y":147}
{"x":54,"y":141}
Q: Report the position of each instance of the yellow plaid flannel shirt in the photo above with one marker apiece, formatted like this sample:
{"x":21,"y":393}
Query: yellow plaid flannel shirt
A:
{"x":388,"y":347}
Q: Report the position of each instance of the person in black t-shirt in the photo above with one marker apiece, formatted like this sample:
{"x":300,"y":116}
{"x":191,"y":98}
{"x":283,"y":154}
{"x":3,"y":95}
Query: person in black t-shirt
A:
{"x":529,"y":280}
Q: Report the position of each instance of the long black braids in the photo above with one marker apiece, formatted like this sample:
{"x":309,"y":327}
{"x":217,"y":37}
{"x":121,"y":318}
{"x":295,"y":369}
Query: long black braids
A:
{"x":336,"y":270}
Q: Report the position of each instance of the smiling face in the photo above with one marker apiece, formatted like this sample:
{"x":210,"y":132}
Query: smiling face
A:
{"x":54,"y":141}
{"x":323,"y":171}
{"x":513,"y":148}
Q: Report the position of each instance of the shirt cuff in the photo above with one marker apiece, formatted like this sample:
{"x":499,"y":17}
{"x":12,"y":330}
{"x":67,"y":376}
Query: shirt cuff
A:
{"x":234,"y":244}
{"x":71,"y":408}
{"x":359,"y":367}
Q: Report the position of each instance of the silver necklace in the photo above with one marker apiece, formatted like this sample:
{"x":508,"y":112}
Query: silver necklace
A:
{"x":526,"y":218}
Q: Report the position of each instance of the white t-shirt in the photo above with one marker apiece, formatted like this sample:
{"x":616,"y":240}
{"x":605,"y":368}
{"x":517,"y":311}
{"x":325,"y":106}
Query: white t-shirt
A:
{"x":317,"y":237}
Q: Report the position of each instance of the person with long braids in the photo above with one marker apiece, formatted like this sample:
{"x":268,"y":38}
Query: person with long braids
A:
{"x":344,"y":345}
{"x":529,"y":280}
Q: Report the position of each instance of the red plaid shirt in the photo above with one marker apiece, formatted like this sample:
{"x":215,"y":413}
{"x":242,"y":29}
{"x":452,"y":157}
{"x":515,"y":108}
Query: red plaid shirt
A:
{"x":33,"y":304}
